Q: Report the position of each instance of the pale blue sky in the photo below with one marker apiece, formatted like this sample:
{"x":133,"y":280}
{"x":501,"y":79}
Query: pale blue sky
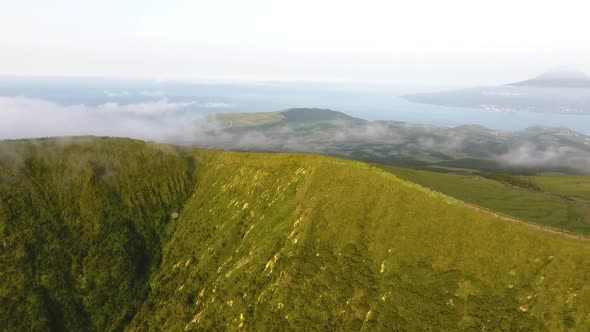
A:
{"x":457,"y":41}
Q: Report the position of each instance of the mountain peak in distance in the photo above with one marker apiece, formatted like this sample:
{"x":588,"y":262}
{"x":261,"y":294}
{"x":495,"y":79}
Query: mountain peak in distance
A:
{"x":559,"y":78}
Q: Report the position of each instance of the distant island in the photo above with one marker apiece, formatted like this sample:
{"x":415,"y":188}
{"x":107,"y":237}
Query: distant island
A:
{"x":560,"y":91}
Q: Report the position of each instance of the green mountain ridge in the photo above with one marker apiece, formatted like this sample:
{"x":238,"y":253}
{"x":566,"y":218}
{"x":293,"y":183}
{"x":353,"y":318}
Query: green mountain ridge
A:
{"x":327,"y":132}
{"x":107,"y":234}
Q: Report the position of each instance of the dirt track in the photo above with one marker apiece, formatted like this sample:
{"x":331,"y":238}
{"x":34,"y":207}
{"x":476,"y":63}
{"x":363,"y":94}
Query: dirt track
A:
{"x":527,"y":224}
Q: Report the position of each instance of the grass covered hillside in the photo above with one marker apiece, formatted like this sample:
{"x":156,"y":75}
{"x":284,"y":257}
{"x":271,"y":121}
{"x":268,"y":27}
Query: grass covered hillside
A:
{"x":557,"y":201}
{"x":80,"y":227}
{"x":109,"y":234}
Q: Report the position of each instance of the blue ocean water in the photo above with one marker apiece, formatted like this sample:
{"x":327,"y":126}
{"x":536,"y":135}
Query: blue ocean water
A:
{"x":403,"y":110}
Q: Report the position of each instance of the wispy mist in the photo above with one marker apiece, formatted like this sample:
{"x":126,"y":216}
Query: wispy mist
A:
{"x":158,"y":120}
{"x":180,"y":122}
{"x":530,"y":154}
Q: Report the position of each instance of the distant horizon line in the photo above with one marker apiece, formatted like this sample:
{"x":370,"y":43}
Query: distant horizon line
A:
{"x":268,"y":81}
{"x":219,"y":79}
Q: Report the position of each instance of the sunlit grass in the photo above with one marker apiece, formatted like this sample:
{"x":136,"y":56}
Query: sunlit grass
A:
{"x":262,"y":242}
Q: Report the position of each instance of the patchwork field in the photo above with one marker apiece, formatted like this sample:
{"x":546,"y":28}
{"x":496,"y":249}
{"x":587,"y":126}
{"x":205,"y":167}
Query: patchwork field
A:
{"x":558,"y":201}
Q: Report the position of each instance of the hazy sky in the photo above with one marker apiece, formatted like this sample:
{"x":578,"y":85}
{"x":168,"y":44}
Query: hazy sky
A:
{"x":417,"y":41}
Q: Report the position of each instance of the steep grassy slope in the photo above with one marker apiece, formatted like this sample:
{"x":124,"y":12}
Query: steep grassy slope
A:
{"x":80,"y":228}
{"x":268,"y":242}
{"x":299,"y":242}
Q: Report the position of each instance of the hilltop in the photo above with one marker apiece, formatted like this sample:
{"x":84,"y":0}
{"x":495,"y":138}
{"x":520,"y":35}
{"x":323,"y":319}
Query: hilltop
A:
{"x":292,"y":116}
{"x":113,"y":234}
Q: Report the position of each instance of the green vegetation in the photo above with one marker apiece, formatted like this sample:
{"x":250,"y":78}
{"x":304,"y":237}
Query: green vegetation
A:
{"x":80,"y":226}
{"x":315,"y":116}
{"x":109,"y":234}
{"x":538,"y":199}
{"x":513,"y":180}
{"x":574,"y":187}
{"x":292,"y":116}
{"x":468,"y":147}
{"x":248,"y":119}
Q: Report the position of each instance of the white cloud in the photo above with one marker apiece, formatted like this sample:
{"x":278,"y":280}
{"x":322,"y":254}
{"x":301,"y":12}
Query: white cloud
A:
{"x":146,"y":108}
{"x":218,"y":104}
{"x":529,"y":155}
{"x":154,"y":93}
{"x":117,"y":94}
{"x":125,"y":93}
{"x":27,"y":117}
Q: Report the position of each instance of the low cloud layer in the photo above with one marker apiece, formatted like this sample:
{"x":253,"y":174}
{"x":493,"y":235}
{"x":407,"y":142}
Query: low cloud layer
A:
{"x":158,"y":120}
{"x":218,"y":104}
{"x":188,"y":122}
{"x":146,"y":108}
{"x":531,"y":155}
{"x":162,"y":120}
